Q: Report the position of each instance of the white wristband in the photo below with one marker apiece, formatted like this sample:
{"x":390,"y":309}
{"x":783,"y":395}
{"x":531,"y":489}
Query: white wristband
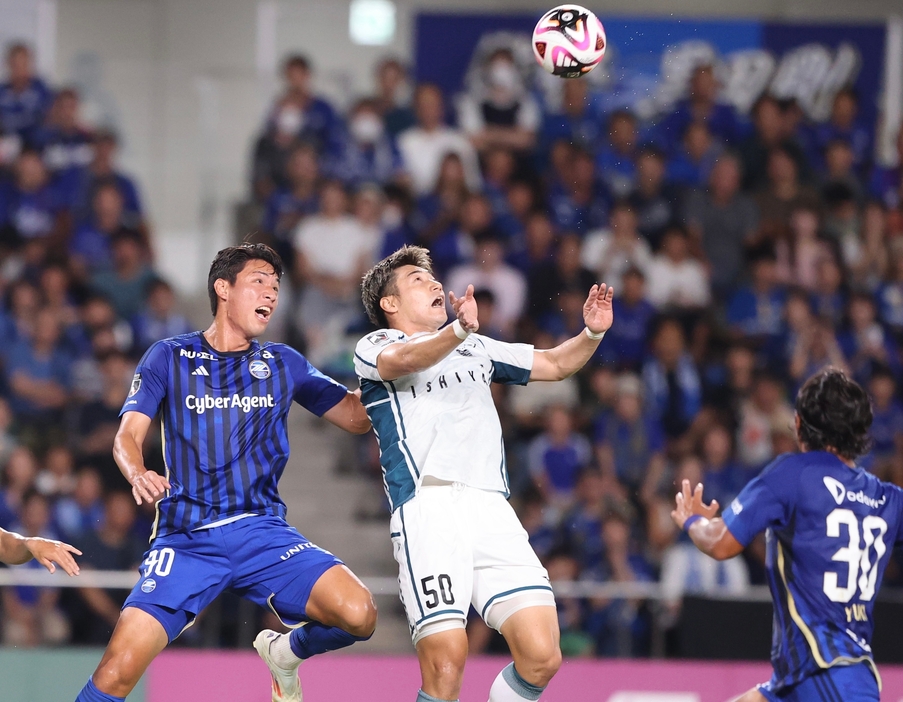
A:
{"x":460,"y":331}
{"x":592,"y":335}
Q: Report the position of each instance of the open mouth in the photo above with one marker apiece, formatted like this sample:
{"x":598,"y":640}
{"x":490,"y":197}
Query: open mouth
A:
{"x":439,"y":302}
{"x":263,"y":312}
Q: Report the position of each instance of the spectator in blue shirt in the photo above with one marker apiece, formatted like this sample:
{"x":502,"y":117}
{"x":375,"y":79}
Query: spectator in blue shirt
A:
{"x":65,"y":143}
{"x":887,"y":182}
{"x":864,"y":342}
{"x":125,"y":283}
{"x":756,"y":310}
{"x":722,"y":476}
{"x":288,"y":205}
{"x":629,"y":442}
{"x":82,"y":511}
{"x":557,"y":456}
{"x":887,"y":422}
{"x":159,"y":319}
{"x":16,"y":480}
{"x":548,"y":281}
{"x":616,"y":160}
{"x":394,"y":96}
{"x":702,"y":105}
{"x":672,"y":387}
{"x":79,"y":189}
{"x":691,"y":165}
{"x":890,"y":292}
{"x":577,"y":122}
{"x":655,"y":200}
{"x":31,"y":614}
{"x":578,"y":200}
{"x":90,"y":246}
{"x":314,"y":119}
{"x":581,"y":526}
{"x":625,"y":346}
{"x":24,"y":98}
{"x":38,"y":372}
{"x":828,"y":297}
{"x":367,"y":153}
{"x":845,"y":125}
{"x":30,"y":207}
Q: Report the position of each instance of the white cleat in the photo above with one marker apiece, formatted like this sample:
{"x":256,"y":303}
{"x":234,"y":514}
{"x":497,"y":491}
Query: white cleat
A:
{"x":286,"y":686}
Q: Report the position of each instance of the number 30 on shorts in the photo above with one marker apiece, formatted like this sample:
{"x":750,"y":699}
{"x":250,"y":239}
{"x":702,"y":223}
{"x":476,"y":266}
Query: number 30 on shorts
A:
{"x":159,"y":562}
{"x":442,"y":587}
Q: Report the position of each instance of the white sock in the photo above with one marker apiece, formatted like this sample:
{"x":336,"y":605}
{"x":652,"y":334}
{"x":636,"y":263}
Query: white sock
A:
{"x":282,"y":654}
{"x":509,"y":686}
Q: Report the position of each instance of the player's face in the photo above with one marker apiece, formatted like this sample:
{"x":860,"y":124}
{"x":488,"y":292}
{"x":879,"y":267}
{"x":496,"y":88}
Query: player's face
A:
{"x":253,"y":298}
{"x":419,"y":298}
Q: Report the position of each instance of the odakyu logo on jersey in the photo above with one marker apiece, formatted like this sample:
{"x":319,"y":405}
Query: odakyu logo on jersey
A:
{"x":259,"y":370}
{"x":245,"y":403}
{"x":839,"y":493}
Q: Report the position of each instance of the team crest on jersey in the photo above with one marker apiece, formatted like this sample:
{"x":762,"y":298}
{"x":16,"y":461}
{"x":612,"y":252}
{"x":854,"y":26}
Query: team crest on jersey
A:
{"x":149,"y":585}
{"x":259,"y":370}
{"x":136,"y":384}
{"x":378,"y":337}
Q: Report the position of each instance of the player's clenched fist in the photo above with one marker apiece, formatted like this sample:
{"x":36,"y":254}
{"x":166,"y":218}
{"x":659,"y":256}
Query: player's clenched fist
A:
{"x":465,"y":309}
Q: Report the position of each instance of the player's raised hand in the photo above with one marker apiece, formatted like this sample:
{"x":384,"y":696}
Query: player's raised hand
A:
{"x":689,"y":503}
{"x":48,"y":552}
{"x":149,"y":487}
{"x":597,"y":311}
{"x":465,"y":309}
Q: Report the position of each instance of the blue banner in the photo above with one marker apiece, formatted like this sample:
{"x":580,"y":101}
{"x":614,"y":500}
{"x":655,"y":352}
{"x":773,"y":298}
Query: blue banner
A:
{"x":649,"y":60}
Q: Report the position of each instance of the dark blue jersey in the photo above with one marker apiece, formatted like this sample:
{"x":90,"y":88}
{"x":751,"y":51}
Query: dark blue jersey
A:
{"x":224,"y":424}
{"x":830,"y":532}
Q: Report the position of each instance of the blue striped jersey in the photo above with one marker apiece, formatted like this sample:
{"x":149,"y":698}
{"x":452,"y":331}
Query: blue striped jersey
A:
{"x":830,"y":530}
{"x":441,"y":421}
{"x":224,"y":424}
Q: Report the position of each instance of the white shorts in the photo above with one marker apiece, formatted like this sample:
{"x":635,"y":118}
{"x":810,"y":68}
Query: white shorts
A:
{"x":458,"y":546}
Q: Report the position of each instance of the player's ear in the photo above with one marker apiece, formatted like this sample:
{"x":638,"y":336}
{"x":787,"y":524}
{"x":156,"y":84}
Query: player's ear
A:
{"x":388,"y":304}
{"x":221,"y":287}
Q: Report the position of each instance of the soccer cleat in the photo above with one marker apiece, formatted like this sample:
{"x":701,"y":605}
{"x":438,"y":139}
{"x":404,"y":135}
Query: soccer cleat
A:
{"x":286,"y":686}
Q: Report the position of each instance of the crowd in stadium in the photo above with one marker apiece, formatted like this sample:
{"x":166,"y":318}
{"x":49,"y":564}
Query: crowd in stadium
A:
{"x":746,"y":251}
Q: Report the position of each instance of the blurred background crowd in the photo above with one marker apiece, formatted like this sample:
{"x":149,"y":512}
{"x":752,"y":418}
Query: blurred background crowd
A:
{"x":746,"y":251}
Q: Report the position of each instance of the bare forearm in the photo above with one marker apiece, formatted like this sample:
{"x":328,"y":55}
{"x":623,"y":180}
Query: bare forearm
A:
{"x":709,"y":537}
{"x":570,"y":356}
{"x":418,"y":354}
{"x":13,"y":548}
{"x":128,"y":456}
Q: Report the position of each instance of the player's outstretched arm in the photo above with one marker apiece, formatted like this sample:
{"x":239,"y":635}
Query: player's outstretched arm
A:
{"x":401,"y":359}
{"x":709,"y":533}
{"x":349,"y":414}
{"x":569,"y":357}
{"x":147,"y":486}
{"x":16,"y":549}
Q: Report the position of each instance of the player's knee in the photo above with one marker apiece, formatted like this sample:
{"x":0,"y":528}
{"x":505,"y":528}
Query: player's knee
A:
{"x":117,"y":676}
{"x":446,"y":668}
{"x":360,"y":618}
{"x":541,"y":666}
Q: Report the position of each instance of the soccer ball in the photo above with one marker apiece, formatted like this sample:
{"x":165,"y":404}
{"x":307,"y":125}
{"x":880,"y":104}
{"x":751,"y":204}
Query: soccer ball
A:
{"x":569,"y":41}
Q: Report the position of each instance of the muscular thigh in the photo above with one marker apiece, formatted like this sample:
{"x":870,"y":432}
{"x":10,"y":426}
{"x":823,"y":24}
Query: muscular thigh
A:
{"x":433,"y":550}
{"x":276,"y":566}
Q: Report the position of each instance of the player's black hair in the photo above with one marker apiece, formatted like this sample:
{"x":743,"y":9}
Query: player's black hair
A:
{"x":379,"y":281}
{"x":229,"y":262}
{"x":835,"y":413}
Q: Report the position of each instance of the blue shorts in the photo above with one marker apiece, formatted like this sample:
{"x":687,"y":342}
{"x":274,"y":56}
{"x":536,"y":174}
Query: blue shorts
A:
{"x":840,"y":683}
{"x":260,"y":558}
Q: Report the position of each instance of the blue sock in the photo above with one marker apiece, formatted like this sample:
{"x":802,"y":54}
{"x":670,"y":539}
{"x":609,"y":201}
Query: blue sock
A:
{"x":90,"y":693}
{"x":423,"y":697}
{"x":519,"y":685}
{"x":314,"y":638}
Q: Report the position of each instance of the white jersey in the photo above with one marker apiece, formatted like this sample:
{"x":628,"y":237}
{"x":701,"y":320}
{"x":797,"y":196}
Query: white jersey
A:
{"x":442,"y":421}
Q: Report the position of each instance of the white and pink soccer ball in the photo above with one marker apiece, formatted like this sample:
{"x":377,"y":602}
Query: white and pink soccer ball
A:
{"x":568,"y":41}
